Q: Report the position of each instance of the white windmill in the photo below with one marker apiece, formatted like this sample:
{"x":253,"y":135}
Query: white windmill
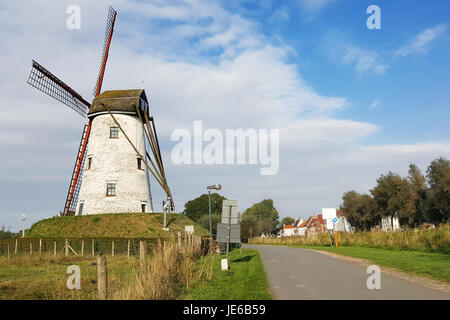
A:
{"x":111,"y":172}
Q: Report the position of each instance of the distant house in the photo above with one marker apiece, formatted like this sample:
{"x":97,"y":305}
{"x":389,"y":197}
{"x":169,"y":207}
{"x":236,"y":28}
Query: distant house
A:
{"x":390,"y":224}
{"x":288,"y":230}
{"x":300,"y":227}
{"x":315,"y":225}
{"x":342,"y":225}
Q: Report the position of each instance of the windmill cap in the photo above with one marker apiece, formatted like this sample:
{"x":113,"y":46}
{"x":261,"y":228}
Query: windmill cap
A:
{"x":119,"y":101}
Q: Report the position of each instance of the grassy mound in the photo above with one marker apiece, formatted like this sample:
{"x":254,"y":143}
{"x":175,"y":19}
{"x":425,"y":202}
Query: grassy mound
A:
{"x":123,"y":225}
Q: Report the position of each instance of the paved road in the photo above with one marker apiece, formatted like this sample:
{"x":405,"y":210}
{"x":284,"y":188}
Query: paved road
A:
{"x":297,"y":274}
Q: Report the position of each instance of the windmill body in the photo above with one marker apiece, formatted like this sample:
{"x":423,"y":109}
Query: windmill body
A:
{"x":115,"y":179}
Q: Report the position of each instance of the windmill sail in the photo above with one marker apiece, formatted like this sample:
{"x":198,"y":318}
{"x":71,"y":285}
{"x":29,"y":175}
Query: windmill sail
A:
{"x":110,"y":21}
{"x":45,"y":81}
{"x":75,"y":182}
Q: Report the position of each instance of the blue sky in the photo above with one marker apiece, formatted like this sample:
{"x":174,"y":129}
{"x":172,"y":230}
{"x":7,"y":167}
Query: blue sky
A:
{"x":351,"y":103}
{"x":411,"y":96}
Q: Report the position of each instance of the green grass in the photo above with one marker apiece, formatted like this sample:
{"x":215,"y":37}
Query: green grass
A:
{"x":432,"y":265}
{"x":244,"y":280}
{"x":123,"y":225}
{"x":44,"y":278}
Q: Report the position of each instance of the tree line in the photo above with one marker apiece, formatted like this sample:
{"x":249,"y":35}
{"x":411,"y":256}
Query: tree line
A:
{"x":415,"y":199}
{"x":260,"y":218}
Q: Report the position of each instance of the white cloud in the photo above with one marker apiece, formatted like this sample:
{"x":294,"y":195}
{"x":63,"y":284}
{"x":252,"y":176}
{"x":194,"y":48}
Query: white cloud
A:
{"x":420,"y":44}
{"x":312,"y":6}
{"x":374,"y":104}
{"x":365,"y":61}
{"x":280,"y":15}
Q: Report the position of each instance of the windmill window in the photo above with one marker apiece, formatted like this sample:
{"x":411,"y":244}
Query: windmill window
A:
{"x":110,"y":189}
{"x":89,"y":163}
{"x":139,"y":163}
{"x":80,"y":209}
{"x":114,"y":132}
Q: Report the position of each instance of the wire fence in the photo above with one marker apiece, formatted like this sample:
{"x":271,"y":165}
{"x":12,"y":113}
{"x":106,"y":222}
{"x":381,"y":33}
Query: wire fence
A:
{"x":87,"y":246}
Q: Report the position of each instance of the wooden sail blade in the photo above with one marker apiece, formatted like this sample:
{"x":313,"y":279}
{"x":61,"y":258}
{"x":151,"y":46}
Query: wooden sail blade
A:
{"x":45,"y":81}
{"x":110,"y":21}
{"x":75,"y":182}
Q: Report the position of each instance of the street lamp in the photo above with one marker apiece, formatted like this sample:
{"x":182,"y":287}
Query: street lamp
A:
{"x":213,"y":187}
{"x":24,"y":216}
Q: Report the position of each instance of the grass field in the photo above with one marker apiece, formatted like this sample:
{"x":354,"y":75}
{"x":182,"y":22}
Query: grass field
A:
{"x":44,"y":278}
{"x":123,"y":225}
{"x":245,"y":279}
{"x":162,"y":275}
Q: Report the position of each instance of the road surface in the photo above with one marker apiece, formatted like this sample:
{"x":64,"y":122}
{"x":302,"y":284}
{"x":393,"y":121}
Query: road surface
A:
{"x":298,"y":274}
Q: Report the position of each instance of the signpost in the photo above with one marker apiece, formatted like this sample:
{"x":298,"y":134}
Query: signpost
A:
{"x":335,"y":220}
{"x":229,"y":230}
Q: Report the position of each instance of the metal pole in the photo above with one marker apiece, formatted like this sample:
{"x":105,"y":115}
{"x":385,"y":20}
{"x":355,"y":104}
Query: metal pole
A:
{"x":229,"y":232}
{"x":210,"y":219}
{"x":164,"y":209}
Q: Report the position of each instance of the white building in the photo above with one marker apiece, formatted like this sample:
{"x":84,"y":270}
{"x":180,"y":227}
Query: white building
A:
{"x":343,"y":225}
{"x":115,"y":179}
{"x":390,"y":224}
{"x":288,"y":230}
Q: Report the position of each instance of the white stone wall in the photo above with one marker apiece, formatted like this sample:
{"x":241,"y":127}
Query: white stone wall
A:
{"x":114,"y":160}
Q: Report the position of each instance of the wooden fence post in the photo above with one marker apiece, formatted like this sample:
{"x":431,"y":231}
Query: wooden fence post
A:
{"x":112,"y":248}
{"x":8,"y":250}
{"x":102,"y":278}
{"x":158,"y":242}
{"x":179,"y":239}
{"x":15,"y":249}
{"x":54,"y":248}
{"x":31,"y":248}
{"x":128,"y":248}
{"x":66,"y":248}
{"x":142,"y":250}
{"x":82,"y":248}
{"x":40,"y":246}
{"x":93,"y":254}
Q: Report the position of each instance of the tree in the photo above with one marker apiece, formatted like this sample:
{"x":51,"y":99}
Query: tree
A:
{"x":287,"y":221}
{"x":198,"y":207}
{"x":264,"y":210}
{"x":204,"y":221}
{"x":5,"y":234}
{"x":248,"y":226}
{"x":394,"y":198}
{"x":438,"y":196}
{"x":360,"y":210}
{"x":418,"y":185}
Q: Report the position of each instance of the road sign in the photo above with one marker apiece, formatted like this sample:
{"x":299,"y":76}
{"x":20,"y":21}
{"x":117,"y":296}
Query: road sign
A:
{"x":222,"y":233}
{"x":335,"y":220}
{"x":226,"y":204}
{"x":328,"y":213}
